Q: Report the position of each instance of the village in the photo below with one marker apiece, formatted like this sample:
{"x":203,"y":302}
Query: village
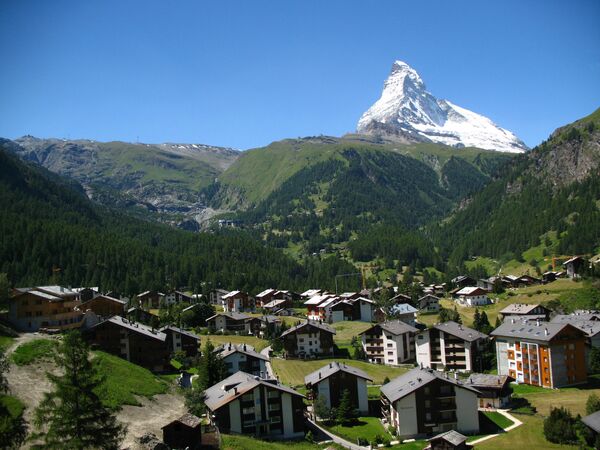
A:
{"x":358,"y":370}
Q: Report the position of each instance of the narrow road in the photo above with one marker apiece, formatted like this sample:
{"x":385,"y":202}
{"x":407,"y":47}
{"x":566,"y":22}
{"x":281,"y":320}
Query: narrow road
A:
{"x":270,"y":372}
{"x":505,"y":413}
{"x":335,"y":438}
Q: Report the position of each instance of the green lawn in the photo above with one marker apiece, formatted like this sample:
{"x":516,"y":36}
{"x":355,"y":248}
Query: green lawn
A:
{"x":33,"y":351}
{"x":346,"y":330}
{"x":14,"y":406}
{"x":500,"y":420}
{"x":218,"y":339}
{"x":293,"y":371}
{"x":5,"y":342}
{"x":237,"y":442}
{"x":364,"y":427}
{"x":125,"y":380}
{"x":374,"y":391}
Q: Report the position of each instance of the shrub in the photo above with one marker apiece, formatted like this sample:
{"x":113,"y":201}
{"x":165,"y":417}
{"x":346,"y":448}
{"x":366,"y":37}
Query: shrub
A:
{"x":560,"y":427}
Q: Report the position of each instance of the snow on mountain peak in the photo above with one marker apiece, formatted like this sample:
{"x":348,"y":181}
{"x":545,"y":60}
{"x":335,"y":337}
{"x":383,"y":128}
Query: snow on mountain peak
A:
{"x":408,"y":112}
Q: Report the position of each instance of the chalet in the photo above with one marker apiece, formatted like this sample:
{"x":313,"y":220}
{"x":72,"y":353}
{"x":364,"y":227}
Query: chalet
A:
{"x":525,"y":311}
{"x":318,"y":308}
{"x":229,"y":321}
{"x":540,"y":353}
{"x":389,"y":343}
{"x":450,"y":345}
{"x":450,"y":440}
{"x":237,"y":301}
{"x":308,"y":339}
{"x":573,"y":266}
{"x":472,"y":296}
{"x":549,"y":277}
{"x":176,"y":297}
{"x":249,"y":405}
{"x":185,"y":432}
{"x":429,"y":303}
{"x":150,"y":299}
{"x":528,"y":280}
{"x":265,"y":297}
{"x":357,"y":308}
{"x":276,"y":305}
{"x":330,"y":382}
{"x":216,"y":296}
{"x":104,"y":306}
{"x":487,"y":284}
{"x":380,"y":315}
{"x":140,"y":315}
{"x":494,"y":390}
{"x":422,"y":402}
{"x":87,"y":293}
{"x":462,"y":281}
{"x":263,"y":325}
{"x":243,"y":357}
{"x":400,"y":299}
{"x":181,"y":340}
{"x":135,"y":342}
{"x":404,"y":312}
{"x":311,"y":293}
{"x":51,"y":307}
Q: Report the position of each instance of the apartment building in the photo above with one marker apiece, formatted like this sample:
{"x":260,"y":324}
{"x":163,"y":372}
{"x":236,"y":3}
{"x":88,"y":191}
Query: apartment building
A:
{"x":245,"y":404}
{"x":543,"y":354}
{"x":389,"y":343}
{"x":423,"y":402}
{"x":308,"y":339}
{"x":180,"y":340}
{"x":243,"y":357}
{"x":451,"y":346}
{"x":237,"y":301}
{"x":229,"y":321}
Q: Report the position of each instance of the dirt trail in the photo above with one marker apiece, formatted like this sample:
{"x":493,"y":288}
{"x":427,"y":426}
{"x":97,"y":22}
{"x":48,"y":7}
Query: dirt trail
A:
{"x":29,"y":383}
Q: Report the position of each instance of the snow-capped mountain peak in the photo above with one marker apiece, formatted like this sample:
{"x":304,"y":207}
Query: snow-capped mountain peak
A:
{"x":408,"y":112}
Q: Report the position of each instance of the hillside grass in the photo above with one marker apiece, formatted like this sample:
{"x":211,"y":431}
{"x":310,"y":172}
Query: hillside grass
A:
{"x":124,"y":381}
{"x":238,"y":442}
{"x":219,"y":339}
{"x":346,"y":330}
{"x":293,"y":371}
{"x":33,"y":351}
{"x":364,"y":427}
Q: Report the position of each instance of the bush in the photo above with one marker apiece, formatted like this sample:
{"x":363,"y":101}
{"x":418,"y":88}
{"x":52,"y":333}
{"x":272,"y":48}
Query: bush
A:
{"x":560,"y":427}
{"x":309,"y":436}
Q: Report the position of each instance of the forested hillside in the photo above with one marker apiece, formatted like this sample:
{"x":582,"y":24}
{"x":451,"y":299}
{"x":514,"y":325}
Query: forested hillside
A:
{"x":555,"y":187}
{"x":51,"y":233}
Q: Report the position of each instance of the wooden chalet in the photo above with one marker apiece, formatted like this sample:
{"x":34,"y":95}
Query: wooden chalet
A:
{"x":179,"y":339}
{"x":184,"y":432}
{"x":104,"y":306}
{"x":308,"y":339}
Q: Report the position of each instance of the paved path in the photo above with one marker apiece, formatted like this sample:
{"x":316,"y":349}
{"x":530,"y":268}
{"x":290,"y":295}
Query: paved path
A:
{"x":270,"y":372}
{"x":505,"y":413}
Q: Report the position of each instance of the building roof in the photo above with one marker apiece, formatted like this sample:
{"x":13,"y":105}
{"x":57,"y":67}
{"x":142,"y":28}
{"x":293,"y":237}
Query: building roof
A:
{"x":460,"y":279}
{"x":274,"y":303}
{"x":229,"y":349}
{"x":452,"y":437}
{"x":79,"y":289}
{"x":590,"y":327}
{"x":189,"y":308}
{"x":189,"y":420}
{"x":180,"y":331}
{"x":321,"y":326}
{"x":528,"y":329}
{"x":486,"y":380}
{"x":416,"y":378}
{"x":471,"y":290}
{"x":577,"y":315}
{"x":231,"y":294}
{"x":395,"y":327}
{"x":519,"y":308}
{"x":266,"y":292}
{"x":134,"y":326}
{"x":400,"y":296}
{"x":572,"y":260}
{"x":318,"y":299}
{"x":592,"y":421}
{"x":51,"y":293}
{"x":237,"y":385}
{"x":460,"y":331}
{"x":332,"y":368}
{"x":231,"y":315}
{"x":403,"y":308}
{"x":311,"y":292}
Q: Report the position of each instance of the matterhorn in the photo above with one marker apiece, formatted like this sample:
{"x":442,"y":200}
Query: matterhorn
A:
{"x":407,"y":112}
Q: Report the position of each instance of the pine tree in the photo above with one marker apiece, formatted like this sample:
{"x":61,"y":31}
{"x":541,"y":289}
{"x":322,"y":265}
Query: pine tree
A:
{"x":345,"y":410}
{"x":211,"y":368}
{"x":476,"y":319}
{"x":72,"y":416}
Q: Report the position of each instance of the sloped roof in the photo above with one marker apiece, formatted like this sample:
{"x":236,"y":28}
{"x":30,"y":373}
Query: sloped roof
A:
{"x":527,"y":329}
{"x":395,"y":327}
{"x":471,"y":290}
{"x":590,"y":327}
{"x":134,"y":326}
{"x":311,"y":292}
{"x":180,"y":331}
{"x":266,"y":292}
{"x":231,"y":315}
{"x":403,"y":308}
{"x":460,"y":331}
{"x":237,"y":385}
{"x":453,"y":437}
{"x":231,"y":294}
{"x":486,"y":380}
{"x":519,"y":308}
{"x":592,"y":421}
{"x":106,"y":297}
{"x":229,"y":349}
{"x":416,"y":378}
{"x":313,"y":323}
{"x":332,"y":368}
{"x":189,"y":420}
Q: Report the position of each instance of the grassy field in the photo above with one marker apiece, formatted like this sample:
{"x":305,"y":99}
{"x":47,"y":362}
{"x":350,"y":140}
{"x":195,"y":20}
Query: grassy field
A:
{"x":364,"y":427}
{"x":529,"y":295}
{"x":33,"y":351}
{"x":218,"y":339}
{"x":237,"y":442}
{"x":500,"y":420}
{"x":125,"y":380}
{"x":346,"y":330}
{"x":5,"y":342}
{"x":293,"y":371}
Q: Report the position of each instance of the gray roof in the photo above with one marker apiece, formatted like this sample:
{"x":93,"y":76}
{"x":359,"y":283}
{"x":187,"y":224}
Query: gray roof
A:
{"x":409,"y":382}
{"x":231,"y":315}
{"x":592,"y":421}
{"x":395,"y":327}
{"x":188,"y":419}
{"x":106,"y":297}
{"x":527,"y":329}
{"x":52,"y":293}
{"x":590,"y":327}
{"x":180,"y":331}
{"x":316,"y":324}
{"x":460,"y":331}
{"x":452,"y":436}
{"x":332,"y":368}
{"x":486,"y":380}
{"x":134,"y":326}
{"x":237,"y":385}
{"x":519,"y":308}
{"x":229,"y":349}
{"x":576,"y":316}
{"x":403,"y":308}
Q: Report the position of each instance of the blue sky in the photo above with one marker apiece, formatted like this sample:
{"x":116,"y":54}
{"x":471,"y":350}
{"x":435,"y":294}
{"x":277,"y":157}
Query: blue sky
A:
{"x":246,"y":73}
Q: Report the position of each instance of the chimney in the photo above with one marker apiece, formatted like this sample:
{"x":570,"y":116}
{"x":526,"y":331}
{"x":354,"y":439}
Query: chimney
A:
{"x":456,"y":375}
{"x":235,"y":390}
{"x":319,"y":375}
{"x":546,"y":331}
{"x":330,"y":365}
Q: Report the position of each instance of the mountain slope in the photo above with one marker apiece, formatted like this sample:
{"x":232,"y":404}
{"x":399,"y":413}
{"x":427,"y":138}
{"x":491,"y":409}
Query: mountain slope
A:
{"x":52,"y":233}
{"x":164,"y":178}
{"x":555,"y":187}
{"x":408,"y":112}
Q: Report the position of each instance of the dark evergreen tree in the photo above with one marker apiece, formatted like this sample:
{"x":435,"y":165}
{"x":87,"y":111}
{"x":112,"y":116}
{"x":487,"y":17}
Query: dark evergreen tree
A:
{"x":211,"y":368}
{"x":560,"y":427}
{"x":72,"y":416}
{"x":345,"y":411}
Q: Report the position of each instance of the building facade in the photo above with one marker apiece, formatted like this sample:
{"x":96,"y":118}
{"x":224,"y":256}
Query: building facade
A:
{"x":389,"y":343}
{"x":308,"y":339}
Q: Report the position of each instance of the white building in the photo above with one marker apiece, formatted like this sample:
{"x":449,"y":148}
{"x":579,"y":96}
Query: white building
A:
{"x":243,"y":357}
{"x":424,"y":402}
{"x":472,"y":296}
{"x":389,"y":343}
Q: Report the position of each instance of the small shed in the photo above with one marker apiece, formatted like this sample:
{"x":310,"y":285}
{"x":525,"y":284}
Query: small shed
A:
{"x":450,"y":440}
{"x":185,"y":432}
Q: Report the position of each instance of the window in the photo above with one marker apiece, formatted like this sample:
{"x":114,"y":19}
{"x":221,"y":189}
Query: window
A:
{"x":248,"y":410}
{"x":420,"y":337}
{"x":273,"y":394}
{"x":301,"y":339}
{"x":390,"y":353}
